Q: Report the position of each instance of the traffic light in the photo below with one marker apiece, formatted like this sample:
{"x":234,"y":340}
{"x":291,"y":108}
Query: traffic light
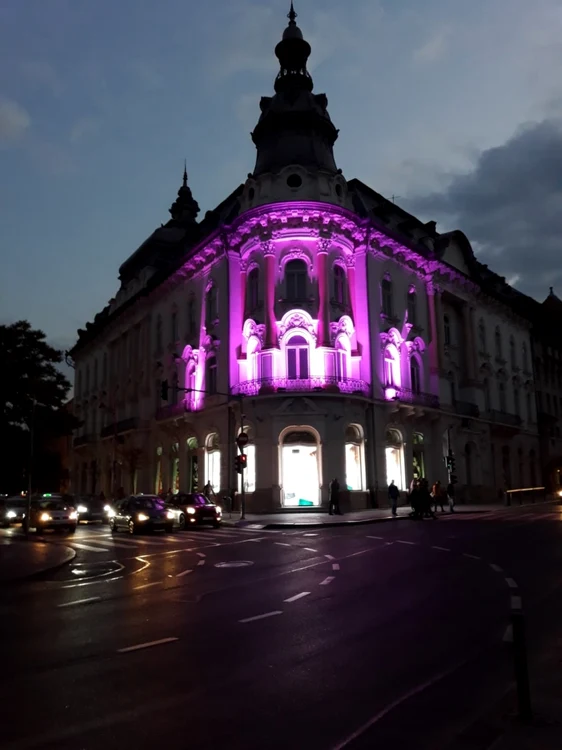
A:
{"x":164,"y":388}
{"x":241,"y":463}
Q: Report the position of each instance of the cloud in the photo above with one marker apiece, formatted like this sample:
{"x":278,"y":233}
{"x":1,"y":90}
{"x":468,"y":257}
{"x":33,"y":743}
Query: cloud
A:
{"x":14,"y":121}
{"x":510,"y":206}
{"x":434,"y":47}
{"x":84,"y":128}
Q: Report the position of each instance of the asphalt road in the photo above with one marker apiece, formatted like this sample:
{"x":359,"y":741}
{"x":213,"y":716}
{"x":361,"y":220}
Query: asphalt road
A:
{"x":382,"y":635}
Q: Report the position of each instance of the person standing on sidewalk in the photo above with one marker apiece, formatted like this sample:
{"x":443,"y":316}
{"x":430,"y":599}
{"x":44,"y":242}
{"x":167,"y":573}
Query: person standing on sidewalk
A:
{"x":334,"y":498}
{"x":437,"y":492}
{"x":451,"y":496}
{"x":393,"y":495}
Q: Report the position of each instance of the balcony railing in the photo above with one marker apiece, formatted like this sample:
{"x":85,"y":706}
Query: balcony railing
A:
{"x":466,"y":409}
{"x":125,"y":425}
{"x":263,"y":385}
{"x":407,"y":396}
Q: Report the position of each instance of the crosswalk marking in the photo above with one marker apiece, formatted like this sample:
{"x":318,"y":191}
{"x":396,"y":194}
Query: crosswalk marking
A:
{"x":90,"y":549}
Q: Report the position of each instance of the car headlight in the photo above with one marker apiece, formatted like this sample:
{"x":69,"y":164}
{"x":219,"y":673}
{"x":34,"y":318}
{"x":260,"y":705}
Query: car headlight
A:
{"x":191,"y":511}
{"x":142,"y":517}
{"x":219,"y":510}
{"x":45,"y":517}
{"x":170,"y":514}
{"x":107,"y":508}
{"x":73,"y":515}
{"x":11,"y":514}
{"x":82,"y":509}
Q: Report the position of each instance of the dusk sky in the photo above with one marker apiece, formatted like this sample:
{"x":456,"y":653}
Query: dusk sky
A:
{"x":454,"y":107}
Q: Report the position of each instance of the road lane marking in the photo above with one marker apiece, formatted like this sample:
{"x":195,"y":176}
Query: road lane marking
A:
{"x":472,"y":557}
{"x":329,"y":557}
{"x":403,"y":541}
{"x":282,"y":544}
{"x":262,"y":617}
{"x":201,"y":554}
{"x":88,"y":548}
{"x":374,"y":537}
{"x":81,"y":601}
{"x":309,"y":549}
{"x":297,"y":596}
{"x":496,"y":568}
{"x":443,"y":549}
{"x":146,"y":645}
{"x":511,"y":583}
{"x":184,"y":573}
{"x":516,"y":602}
{"x":310,"y":534}
{"x":146,"y":585}
{"x":327,"y":580}
{"x":201,"y":562}
{"x":335,"y":566}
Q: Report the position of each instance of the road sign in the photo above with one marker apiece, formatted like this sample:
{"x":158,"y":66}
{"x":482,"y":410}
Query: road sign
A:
{"x":242,"y":440}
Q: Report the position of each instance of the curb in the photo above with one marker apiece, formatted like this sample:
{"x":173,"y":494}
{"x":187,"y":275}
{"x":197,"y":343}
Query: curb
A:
{"x":70,"y":554}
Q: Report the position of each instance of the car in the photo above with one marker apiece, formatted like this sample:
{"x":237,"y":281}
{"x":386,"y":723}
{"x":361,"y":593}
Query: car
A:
{"x":12,"y":510}
{"x":141,"y":513}
{"x":196,"y":509}
{"x":92,"y":508}
{"x":53,"y":512}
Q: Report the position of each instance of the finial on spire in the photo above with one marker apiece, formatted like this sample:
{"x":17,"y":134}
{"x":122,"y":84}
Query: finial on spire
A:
{"x":185,"y":172}
{"x":552,"y":291}
{"x":291,"y":14}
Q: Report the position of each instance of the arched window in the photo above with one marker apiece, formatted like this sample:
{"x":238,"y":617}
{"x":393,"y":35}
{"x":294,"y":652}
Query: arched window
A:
{"x":512,"y":352}
{"x":354,"y":458}
{"x":159,"y":333}
{"x":211,"y":302}
{"x":297,"y":358}
{"x":482,"y":336}
{"x":415,"y":375}
{"x":174,"y":327}
{"x":487,"y":398}
{"x":516,"y":401}
{"x":213,"y":461}
{"x":412,"y":306}
{"x":391,"y":367}
{"x":502,"y":399}
{"x":418,"y":455}
{"x":447,"y":329}
{"x":295,"y":280}
{"x":342,"y":360}
{"x":211,"y":374}
{"x":191,"y":317}
{"x":498,"y":342}
{"x":339,"y":285}
{"x":525,"y":357}
{"x":386,"y":296}
{"x":175,"y":469}
{"x":158,"y":472}
{"x":253,"y":288}
{"x":394,"y":454}
{"x":300,"y":468}
{"x":529,"y":408}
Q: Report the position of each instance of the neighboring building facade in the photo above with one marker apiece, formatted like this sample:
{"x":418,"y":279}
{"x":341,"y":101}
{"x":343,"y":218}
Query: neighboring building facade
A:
{"x":345,"y":337}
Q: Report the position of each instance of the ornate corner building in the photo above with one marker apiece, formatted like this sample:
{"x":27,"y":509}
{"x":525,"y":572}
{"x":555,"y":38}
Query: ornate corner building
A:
{"x":348,"y":339}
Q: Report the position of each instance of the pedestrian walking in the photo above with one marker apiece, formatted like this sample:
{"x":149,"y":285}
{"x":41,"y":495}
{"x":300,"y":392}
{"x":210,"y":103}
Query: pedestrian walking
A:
{"x":438,"y":496}
{"x":425,"y":500}
{"x":451,"y":496}
{"x":334,"y":498}
{"x":208,"y":491}
{"x":393,"y":495}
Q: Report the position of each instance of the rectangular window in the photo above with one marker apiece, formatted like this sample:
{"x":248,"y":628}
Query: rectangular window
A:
{"x":303,"y":363}
{"x":292,"y":364}
{"x":266,"y":366}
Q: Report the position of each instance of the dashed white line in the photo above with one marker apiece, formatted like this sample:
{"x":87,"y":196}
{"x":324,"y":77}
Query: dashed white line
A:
{"x":184,"y":573}
{"x":88,"y":548}
{"x":81,"y":601}
{"x":327,"y":580}
{"x":201,"y":554}
{"x":511,"y":583}
{"x":374,"y":537}
{"x":403,"y":541}
{"x":146,"y":645}
{"x":443,"y":549}
{"x":201,"y":562}
{"x":335,"y":566}
{"x":496,"y":568}
{"x":282,"y":544}
{"x":309,"y":549}
{"x":146,"y":585}
{"x":310,"y":534}
{"x":472,"y":557}
{"x":297,"y":596}
{"x":329,"y":557}
{"x":516,"y":602}
{"x":262,"y":617}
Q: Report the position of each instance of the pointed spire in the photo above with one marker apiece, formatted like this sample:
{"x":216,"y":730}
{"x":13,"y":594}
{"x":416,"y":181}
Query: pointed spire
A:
{"x":292,"y":15}
{"x":293,"y":52}
{"x":185,"y":208}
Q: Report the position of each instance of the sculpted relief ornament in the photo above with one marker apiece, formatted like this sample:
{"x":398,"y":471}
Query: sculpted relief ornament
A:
{"x":251,"y":328}
{"x":296,"y":320}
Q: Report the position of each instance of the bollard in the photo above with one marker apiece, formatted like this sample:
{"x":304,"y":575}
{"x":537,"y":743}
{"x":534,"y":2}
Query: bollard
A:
{"x":521,"y":667}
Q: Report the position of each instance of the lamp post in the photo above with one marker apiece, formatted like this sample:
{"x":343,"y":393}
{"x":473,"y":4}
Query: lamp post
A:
{"x":30,"y":467}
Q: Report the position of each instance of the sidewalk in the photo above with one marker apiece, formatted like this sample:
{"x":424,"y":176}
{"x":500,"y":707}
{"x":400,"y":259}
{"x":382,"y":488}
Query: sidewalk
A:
{"x":20,"y":559}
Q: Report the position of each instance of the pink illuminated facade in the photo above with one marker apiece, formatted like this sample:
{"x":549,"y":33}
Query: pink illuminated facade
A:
{"x":346,"y":332}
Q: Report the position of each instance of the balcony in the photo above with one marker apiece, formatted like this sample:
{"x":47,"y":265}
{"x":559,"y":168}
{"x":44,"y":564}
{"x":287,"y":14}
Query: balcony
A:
{"x":466,"y":409}
{"x":280,"y":385}
{"x":503,"y":418}
{"x":415,"y":398}
{"x":171,"y":410}
{"x":125,"y":425}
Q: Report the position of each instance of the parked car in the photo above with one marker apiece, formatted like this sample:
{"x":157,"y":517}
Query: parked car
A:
{"x":141,"y":513}
{"x":53,"y":512}
{"x":195,"y":509}
{"x":91,"y":508}
{"x":12,"y":510}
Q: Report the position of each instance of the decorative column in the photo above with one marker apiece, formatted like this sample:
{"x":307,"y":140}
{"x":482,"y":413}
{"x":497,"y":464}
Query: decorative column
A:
{"x":323,"y":292}
{"x":243,"y":281}
{"x":268,"y":252}
{"x":351,"y":285}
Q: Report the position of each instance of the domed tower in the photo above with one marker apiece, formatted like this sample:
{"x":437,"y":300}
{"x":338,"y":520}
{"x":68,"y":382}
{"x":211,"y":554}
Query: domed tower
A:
{"x":294,"y":136}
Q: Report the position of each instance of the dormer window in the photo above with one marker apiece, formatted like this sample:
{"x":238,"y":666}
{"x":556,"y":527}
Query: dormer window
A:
{"x":295,"y":279}
{"x":253,"y":288}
